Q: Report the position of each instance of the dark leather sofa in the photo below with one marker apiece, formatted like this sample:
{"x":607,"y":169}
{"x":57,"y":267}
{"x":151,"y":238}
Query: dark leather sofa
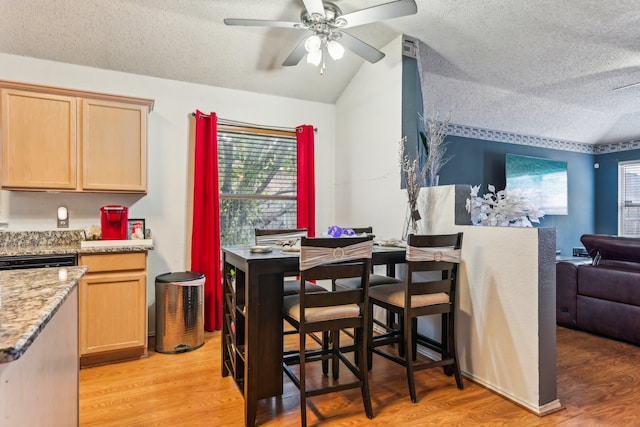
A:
{"x":602,"y":296}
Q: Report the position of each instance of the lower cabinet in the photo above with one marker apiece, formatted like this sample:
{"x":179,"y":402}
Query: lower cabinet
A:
{"x":113,"y":308}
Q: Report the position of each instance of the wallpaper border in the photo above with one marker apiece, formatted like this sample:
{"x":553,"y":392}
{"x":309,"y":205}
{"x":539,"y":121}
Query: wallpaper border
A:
{"x":537,"y":141}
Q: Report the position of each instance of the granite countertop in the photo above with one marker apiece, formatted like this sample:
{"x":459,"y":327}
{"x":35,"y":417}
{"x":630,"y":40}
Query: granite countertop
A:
{"x":69,"y":249}
{"x":17,"y":243}
{"x":28,"y":300}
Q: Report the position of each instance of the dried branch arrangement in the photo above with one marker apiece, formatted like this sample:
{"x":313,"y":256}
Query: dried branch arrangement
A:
{"x":414,"y":176}
{"x":434,"y":145}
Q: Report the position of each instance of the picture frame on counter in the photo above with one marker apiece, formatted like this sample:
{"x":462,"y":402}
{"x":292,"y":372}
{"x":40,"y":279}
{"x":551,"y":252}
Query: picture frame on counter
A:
{"x":135,"y":229}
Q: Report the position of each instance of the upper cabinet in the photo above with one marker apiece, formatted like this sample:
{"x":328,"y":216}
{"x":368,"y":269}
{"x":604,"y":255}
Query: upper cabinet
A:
{"x":64,"y":140}
{"x":114,"y":146}
{"x":39,"y":140}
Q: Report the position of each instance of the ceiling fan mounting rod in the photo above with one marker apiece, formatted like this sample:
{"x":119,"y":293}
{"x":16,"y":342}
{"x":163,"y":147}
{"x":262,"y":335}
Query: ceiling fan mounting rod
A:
{"x":326,"y":24}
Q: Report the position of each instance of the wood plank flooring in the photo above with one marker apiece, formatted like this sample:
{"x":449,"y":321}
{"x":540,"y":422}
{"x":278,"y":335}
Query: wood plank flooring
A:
{"x":598,"y":385}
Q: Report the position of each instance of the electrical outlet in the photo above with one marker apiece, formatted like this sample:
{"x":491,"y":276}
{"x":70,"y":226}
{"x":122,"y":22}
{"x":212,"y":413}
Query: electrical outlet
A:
{"x":63,"y":217}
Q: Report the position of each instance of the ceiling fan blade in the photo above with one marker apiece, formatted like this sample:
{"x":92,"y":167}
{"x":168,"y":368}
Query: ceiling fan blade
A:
{"x":261,"y":23}
{"x":314,"y":6}
{"x":296,"y":55}
{"x":626,"y":86}
{"x":360,"y":48}
{"x":395,"y":9}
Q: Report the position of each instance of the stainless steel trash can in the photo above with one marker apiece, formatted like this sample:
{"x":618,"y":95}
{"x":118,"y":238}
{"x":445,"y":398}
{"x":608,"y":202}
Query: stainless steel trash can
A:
{"x":179,"y":312}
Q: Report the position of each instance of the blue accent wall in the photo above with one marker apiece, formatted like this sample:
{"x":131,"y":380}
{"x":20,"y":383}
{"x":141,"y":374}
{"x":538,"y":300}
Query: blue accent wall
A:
{"x":411,"y":108}
{"x":476,"y":162}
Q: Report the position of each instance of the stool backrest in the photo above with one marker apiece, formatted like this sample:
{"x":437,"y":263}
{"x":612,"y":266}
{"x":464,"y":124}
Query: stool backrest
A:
{"x":336,"y":258}
{"x":437,"y":254}
{"x":278,"y":237}
{"x":363,"y":230}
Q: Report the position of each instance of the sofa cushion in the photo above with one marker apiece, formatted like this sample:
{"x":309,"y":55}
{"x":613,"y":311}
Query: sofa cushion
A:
{"x":610,"y":319}
{"x":601,"y":247}
{"x":608,"y":283}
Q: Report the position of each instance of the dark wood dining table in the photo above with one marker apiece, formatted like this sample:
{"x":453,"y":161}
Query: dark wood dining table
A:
{"x":252,"y":327}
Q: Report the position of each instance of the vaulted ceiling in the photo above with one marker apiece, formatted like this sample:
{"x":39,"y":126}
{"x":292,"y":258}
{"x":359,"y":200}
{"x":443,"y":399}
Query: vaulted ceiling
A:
{"x":543,"y":67}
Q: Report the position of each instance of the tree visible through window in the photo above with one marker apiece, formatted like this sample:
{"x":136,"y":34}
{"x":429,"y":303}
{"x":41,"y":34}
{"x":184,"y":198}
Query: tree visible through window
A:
{"x":629,"y":199}
{"x":257,"y":178}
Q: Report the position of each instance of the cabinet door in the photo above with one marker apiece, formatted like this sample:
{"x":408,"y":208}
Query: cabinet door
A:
{"x":113,"y":312}
{"x":114,"y":146}
{"x":39,"y":140}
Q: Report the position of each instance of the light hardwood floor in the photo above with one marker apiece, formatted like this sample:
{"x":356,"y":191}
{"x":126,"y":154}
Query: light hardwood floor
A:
{"x":598,"y":385}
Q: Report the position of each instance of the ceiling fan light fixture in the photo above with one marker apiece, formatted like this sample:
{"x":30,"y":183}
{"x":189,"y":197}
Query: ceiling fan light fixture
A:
{"x":313,"y":43}
{"x":335,"y":50}
{"x":314,"y":57}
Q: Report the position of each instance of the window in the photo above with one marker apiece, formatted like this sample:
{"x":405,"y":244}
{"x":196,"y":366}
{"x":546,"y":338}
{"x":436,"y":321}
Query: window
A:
{"x":629,"y":199}
{"x":257,"y":178}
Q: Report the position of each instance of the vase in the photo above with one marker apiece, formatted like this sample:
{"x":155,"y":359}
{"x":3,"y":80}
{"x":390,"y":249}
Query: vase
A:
{"x":411,"y":225}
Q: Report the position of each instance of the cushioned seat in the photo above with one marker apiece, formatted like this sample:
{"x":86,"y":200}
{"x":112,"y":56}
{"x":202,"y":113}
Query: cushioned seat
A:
{"x":393,"y":294}
{"x":374,"y":280}
{"x":611,"y":284}
{"x":317,"y":314}
{"x":292,"y":287}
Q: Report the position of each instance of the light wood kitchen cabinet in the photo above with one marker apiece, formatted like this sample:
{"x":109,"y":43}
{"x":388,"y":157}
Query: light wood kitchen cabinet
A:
{"x":113,"y":307}
{"x":39,"y":140}
{"x":114,"y":146}
{"x":66,"y":140}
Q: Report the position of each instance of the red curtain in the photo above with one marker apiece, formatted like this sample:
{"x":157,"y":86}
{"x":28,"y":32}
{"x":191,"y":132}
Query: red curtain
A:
{"x":306,"y":180}
{"x":205,"y":237}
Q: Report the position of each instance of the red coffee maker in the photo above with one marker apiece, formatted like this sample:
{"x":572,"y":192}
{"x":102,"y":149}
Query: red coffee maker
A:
{"x":113,"y":220}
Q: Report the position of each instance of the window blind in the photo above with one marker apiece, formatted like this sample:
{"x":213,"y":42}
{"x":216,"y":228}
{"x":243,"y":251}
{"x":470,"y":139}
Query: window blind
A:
{"x":629,"y":199}
{"x":257,"y":175}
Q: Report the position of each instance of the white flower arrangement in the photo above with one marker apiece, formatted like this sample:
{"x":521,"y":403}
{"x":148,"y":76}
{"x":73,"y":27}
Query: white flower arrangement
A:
{"x":504,"y":208}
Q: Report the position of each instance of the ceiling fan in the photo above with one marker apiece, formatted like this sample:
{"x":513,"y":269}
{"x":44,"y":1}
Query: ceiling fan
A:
{"x":325,"y":22}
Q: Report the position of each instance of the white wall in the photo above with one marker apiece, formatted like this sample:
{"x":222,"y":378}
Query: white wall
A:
{"x":368,"y":131}
{"x":166,"y":205}
{"x":504,"y":281}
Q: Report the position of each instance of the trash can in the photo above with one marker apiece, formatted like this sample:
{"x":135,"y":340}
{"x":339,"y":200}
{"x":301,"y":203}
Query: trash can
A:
{"x":179,"y":312}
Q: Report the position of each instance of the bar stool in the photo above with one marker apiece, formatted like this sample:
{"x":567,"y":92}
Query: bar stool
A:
{"x":329,"y":259}
{"x":432,"y":275}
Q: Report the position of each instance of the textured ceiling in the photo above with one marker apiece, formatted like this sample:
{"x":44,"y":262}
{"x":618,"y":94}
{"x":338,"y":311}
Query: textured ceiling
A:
{"x":542,"y":67}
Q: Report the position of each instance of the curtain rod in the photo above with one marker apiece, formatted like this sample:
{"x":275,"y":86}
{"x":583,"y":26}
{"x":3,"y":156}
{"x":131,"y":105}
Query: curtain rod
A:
{"x":253,"y":125}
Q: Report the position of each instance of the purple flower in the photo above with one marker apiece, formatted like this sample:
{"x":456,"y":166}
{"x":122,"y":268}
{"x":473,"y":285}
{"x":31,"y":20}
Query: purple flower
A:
{"x":348,"y":232}
{"x":335,"y":231}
